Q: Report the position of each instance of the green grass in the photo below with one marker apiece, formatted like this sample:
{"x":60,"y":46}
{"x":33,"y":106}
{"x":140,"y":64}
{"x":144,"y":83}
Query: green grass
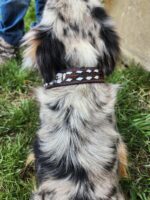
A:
{"x":133,"y":118}
{"x":19,"y":121}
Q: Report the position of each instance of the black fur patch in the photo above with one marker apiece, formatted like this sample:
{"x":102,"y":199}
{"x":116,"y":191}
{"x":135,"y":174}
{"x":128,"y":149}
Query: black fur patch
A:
{"x":84,"y":191}
{"x":68,"y":114}
{"x":50,"y":55}
{"x":47,"y":194}
{"x":99,"y":13}
{"x":111,"y":40}
{"x":55,"y":129}
{"x":109,"y":166}
{"x":54,"y":107}
{"x":66,"y":167}
{"x":112,"y":192}
{"x":65,"y":31}
{"x":61,"y":17}
{"x":74,"y":27}
{"x":92,"y":38}
{"x":77,"y":136}
{"x":110,"y":118}
{"x":82,"y":196}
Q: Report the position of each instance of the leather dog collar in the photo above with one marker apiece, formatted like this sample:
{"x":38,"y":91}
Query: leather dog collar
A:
{"x":76,"y":76}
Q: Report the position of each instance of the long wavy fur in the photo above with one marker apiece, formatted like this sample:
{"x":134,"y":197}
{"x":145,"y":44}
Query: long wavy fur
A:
{"x":78,"y":151}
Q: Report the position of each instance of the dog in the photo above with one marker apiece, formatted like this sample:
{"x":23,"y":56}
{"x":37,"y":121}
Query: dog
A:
{"x":79,"y":155}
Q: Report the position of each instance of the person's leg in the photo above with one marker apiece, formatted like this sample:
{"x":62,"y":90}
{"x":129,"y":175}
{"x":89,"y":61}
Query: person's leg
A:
{"x":12,"y":13}
{"x":39,"y":6}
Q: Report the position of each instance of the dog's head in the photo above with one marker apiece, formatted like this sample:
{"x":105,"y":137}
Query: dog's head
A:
{"x":72,"y":34}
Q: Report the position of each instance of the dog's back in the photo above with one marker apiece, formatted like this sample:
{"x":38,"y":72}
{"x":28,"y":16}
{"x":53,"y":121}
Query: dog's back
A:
{"x":77,"y":148}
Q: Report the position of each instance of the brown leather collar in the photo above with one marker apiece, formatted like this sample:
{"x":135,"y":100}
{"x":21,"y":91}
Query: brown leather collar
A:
{"x":76,"y":76}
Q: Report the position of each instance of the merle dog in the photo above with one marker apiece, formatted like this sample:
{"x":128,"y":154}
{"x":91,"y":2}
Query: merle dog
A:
{"x":79,"y":154}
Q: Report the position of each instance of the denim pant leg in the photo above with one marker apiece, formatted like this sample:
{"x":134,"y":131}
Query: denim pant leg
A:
{"x":12,"y":13}
{"x":39,"y":6}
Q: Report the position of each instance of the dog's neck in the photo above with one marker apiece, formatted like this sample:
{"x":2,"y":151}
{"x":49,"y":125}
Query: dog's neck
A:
{"x":76,"y":76}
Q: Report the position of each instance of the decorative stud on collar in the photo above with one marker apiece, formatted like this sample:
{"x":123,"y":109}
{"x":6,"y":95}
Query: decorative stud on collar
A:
{"x":76,"y":76}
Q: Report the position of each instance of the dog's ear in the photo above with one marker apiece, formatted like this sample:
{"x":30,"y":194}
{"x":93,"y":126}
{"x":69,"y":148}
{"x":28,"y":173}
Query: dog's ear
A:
{"x":30,"y":42}
{"x":45,"y":51}
{"x":108,"y":35}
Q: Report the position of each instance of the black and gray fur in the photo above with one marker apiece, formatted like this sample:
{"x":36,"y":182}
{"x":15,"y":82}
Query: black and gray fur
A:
{"x":77,"y":146}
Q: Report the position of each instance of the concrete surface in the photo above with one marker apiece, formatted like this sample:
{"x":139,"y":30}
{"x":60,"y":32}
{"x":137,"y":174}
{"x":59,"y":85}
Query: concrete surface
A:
{"x":132,"y":18}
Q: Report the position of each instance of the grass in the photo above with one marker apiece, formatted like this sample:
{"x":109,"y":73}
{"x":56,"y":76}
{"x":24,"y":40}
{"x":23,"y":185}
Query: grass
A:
{"x":19,"y":122}
{"x":133,"y":117}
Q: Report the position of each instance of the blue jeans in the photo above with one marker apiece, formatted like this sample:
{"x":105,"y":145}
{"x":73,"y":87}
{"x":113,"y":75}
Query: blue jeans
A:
{"x":12,"y":13}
